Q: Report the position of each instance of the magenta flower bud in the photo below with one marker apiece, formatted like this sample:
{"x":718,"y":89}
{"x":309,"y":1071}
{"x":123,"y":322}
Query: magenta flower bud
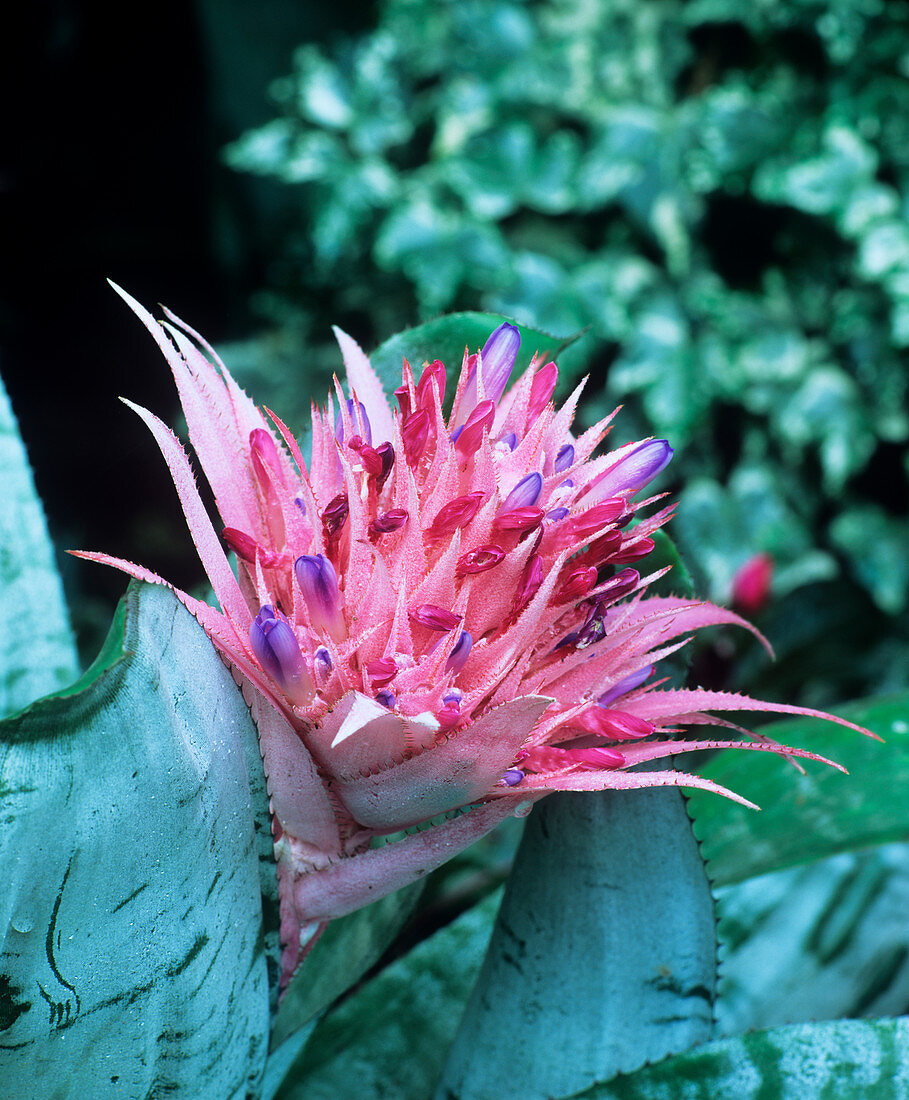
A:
{"x":318,"y":582}
{"x":591,"y":520}
{"x":339,"y":421}
{"x":458,"y":658}
{"x":528,"y":584}
{"x":541,"y":390}
{"x":639,"y":549}
{"x":262,"y":448}
{"x":625,"y":581}
{"x":625,"y":685}
{"x":524,"y":495}
{"x":415,"y":435}
{"x":386,"y":453}
{"x":434,"y":617}
{"x":479,"y":559}
{"x":456,"y":513}
{"x":403,"y":395}
{"x":432,"y":372}
{"x":335,"y":515}
{"x":599,"y":755}
{"x":392,"y":520}
{"x":468,"y":438}
{"x":615,"y":725}
{"x":498,"y":358}
{"x":521,"y":519}
{"x":577,"y":584}
{"x":381,"y":671}
{"x":278,"y":652}
{"x":633,"y":471}
{"x":564,"y":458}
{"x":751,"y":584}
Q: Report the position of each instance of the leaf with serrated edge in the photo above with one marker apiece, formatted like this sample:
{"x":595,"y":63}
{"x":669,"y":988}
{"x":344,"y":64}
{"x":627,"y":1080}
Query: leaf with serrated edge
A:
{"x":135,"y":852}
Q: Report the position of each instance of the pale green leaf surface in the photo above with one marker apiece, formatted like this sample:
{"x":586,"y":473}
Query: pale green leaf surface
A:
{"x":817,"y":942}
{"x":835,"y":1060}
{"x":808,"y":817}
{"x":389,"y":1040}
{"x":135,"y":853}
{"x":585,"y":912}
{"x":37,"y":654}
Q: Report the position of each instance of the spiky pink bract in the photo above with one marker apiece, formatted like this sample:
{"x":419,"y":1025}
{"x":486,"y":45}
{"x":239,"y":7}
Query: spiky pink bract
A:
{"x":438,"y":613}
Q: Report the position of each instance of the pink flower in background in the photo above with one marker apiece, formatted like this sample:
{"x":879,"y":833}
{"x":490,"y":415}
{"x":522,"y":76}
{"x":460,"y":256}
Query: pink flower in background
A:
{"x":751,"y":584}
{"x":435,"y":613}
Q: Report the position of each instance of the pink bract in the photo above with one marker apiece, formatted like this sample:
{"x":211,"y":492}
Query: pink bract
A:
{"x":436,"y":613}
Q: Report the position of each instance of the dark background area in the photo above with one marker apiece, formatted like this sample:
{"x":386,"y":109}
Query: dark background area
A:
{"x":110,"y":168}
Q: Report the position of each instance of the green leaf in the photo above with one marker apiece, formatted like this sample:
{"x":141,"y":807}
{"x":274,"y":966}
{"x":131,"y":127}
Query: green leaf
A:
{"x":135,"y":853}
{"x":341,"y":956}
{"x":446,"y":337}
{"x":817,"y":942}
{"x":391,"y":1036}
{"x":807,"y":817}
{"x":37,"y":654}
{"x":845,"y":1059}
{"x":603,"y":956}
{"x":678,"y":581}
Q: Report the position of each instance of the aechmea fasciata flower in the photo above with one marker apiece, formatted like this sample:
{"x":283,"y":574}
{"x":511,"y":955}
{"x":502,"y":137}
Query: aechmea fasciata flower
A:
{"x":437,"y":612}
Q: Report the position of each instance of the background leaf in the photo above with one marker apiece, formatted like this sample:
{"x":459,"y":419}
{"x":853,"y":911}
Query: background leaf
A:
{"x":587,"y":909}
{"x":846,"y":1059}
{"x":37,"y":654}
{"x":135,"y":853}
{"x":807,"y":817}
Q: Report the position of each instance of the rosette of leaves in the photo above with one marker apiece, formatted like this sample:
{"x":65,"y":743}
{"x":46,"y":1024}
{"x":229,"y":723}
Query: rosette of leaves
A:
{"x":718,"y":193}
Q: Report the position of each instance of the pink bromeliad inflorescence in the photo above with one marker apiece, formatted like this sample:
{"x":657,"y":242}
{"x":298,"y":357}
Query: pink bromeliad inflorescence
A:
{"x":436,"y":613}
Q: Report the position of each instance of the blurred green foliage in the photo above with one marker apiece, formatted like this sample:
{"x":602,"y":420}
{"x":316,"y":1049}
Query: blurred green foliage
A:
{"x":718,"y":190}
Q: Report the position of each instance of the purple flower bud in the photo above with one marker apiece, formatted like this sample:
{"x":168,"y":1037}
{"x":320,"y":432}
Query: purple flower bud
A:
{"x":512,"y":777}
{"x":498,"y":358}
{"x":556,"y":514}
{"x":627,"y":683}
{"x":339,"y":422}
{"x":318,"y":582}
{"x":632,"y":472}
{"x":278,"y":652}
{"x":510,"y":440}
{"x":524,"y":495}
{"x":386,"y":698}
{"x":564,"y":458}
{"x":458,"y":657}
{"x":453,"y":696}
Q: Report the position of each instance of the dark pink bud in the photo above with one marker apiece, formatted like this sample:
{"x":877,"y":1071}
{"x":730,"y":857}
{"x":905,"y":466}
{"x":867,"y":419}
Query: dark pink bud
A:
{"x":751,"y":584}
{"x":599,"y":755}
{"x":601,"y":549}
{"x":381,"y":671}
{"x":525,"y":494}
{"x":625,"y":581}
{"x":370,"y":459}
{"x":335,"y":515}
{"x":639,"y":549}
{"x":478,"y":423}
{"x":594,"y":518}
{"x":392,"y":520}
{"x":436,"y":618}
{"x":616,"y":725}
{"x":521,"y":519}
{"x":386,"y":453}
{"x":243,"y":545}
{"x":403,"y":395}
{"x":479,"y":560}
{"x":415,"y":434}
{"x":432,"y":372}
{"x":262,"y":449}
{"x":529,"y":583}
{"x":456,"y":513}
{"x":541,"y":390}
{"x":577,"y":584}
